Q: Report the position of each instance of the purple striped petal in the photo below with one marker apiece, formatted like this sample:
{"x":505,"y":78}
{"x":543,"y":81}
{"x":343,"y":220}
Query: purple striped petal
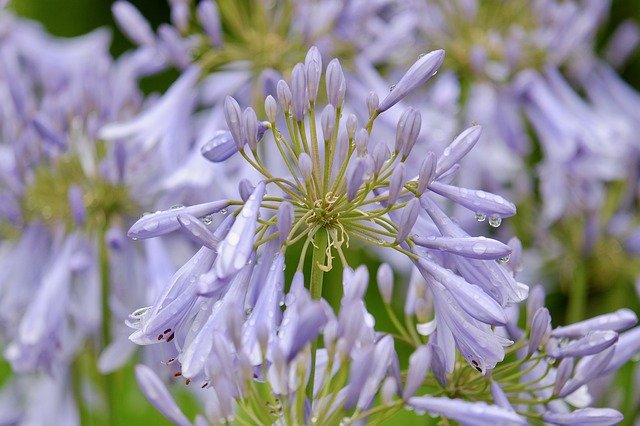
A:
{"x":157,"y":394}
{"x":467,"y":413}
{"x":396,"y":183}
{"x":198,"y":231}
{"x":592,"y":343}
{"x":616,"y":321}
{"x":355,"y":178}
{"x":473,"y":247}
{"x":300,"y":99}
{"x":470,"y":297}
{"x":236,"y":248}
{"x":233,"y":117}
{"x":313,"y":69}
{"x":266,"y":314}
{"x":209,"y":18}
{"x":163,"y":222}
{"x":376,"y":371}
{"x":419,"y":365}
{"x":408,"y":219}
{"x":132,"y":23}
{"x":384,"y":278}
{"x":460,"y":147}
{"x":422,"y":70}
{"x":540,"y":329}
{"x":335,"y":82}
{"x":220,"y":147}
{"x":584,"y":417}
{"x":477,"y":201}
{"x":628,"y":345}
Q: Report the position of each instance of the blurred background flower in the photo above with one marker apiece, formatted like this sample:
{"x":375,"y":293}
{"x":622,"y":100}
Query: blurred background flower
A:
{"x":551,"y":82}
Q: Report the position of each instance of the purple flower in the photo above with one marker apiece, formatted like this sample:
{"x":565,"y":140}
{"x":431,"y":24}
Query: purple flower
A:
{"x":463,"y":411}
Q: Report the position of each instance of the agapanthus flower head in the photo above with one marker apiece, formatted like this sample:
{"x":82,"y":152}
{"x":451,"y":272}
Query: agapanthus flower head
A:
{"x":328,"y":184}
{"x":494,"y":41}
{"x":249,"y":46}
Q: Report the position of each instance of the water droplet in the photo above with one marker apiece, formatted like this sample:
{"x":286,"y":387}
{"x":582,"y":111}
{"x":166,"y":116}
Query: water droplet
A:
{"x":248,"y":312}
{"x":480,"y":217}
{"x":504,"y":259}
{"x":151,"y":226}
{"x":223,"y":211}
{"x":176,"y":207}
{"x":479,"y":248}
{"x":495,"y":221}
{"x":139,"y":312}
{"x":145,"y":214}
{"x":207,"y":219}
{"x":393,"y":86}
{"x":134,"y":238}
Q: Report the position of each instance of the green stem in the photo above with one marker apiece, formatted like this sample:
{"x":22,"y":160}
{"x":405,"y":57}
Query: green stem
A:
{"x":320,"y":242}
{"x":105,"y":278}
{"x":577,"y":296}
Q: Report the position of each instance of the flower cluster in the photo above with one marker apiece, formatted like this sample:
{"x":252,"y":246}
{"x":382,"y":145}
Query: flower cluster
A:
{"x":281,"y":180}
{"x":560,"y":122}
{"x":333,"y":185}
{"x":70,"y":276}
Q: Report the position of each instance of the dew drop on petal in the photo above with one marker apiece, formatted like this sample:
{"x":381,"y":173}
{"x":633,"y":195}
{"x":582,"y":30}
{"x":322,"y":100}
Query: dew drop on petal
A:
{"x":479,"y":248}
{"x":481,"y":217}
{"x":495,"y":221}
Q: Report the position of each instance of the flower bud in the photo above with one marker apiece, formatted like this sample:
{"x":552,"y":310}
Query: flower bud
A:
{"x":284,"y":96}
{"x":423,"y":69}
{"x":313,"y":68}
{"x":355,"y":177}
{"x":540,"y":329}
{"x":336,"y":85}
{"x":385,"y":282}
{"x":209,"y":18}
{"x":396,"y":183}
{"x":285,"y":220}
{"x":328,"y":121}
{"x":352,"y":124}
{"x":419,"y":364}
{"x":271,"y":108}
{"x":372,"y":103}
{"x":362,"y":139}
{"x":408,"y":219}
{"x":306,"y":166}
{"x":300,"y":99}
{"x":250,"y":121}
{"x":233,"y":117}
{"x":427,"y":171}
{"x":245,"y":188}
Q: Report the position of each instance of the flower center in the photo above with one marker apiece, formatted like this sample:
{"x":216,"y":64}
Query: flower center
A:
{"x":48,"y":197}
{"x":493,"y":41}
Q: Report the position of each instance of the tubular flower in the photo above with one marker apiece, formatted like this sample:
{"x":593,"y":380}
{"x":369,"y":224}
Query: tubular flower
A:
{"x":323,"y":194}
